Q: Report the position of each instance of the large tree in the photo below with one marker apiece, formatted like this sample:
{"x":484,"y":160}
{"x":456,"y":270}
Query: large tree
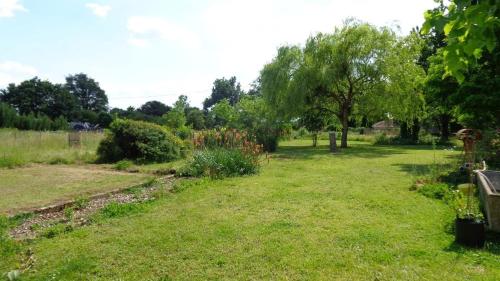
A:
{"x":471,"y":28}
{"x":222,"y":89}
{"x":154,"y":108}
{"x":88,"y":92}
{"x":39,"y":97}
{"x":338,"y":71}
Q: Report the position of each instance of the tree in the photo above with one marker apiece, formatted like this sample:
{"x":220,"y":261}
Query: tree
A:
{"x":470,"y":27}
{"x":223,"y":114}
{"x":337,"y":70}
{"x":224,"y":88}
{"x":154,"y":108}
{"x":176,"y":118}
{"x":39,"y":97}
{"x":195,"y":118}
{"x":438,"y":93}
{"x":87,"y":91}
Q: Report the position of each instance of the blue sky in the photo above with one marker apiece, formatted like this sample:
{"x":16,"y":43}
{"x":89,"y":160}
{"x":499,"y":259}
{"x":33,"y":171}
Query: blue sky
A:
{"x":145,"y":50}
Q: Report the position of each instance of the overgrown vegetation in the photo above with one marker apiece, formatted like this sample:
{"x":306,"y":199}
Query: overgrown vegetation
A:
{"x":140,"y":141}
{"x":22,"y":147}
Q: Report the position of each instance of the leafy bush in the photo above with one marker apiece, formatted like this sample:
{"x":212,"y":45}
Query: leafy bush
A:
{"x":140,"y":141}
{"x":268,"y":138}
{"x":123,"y":165}
{"x":489,"y":148}
{"x":434,"y":190}
{"x":220,"y":162}
{"x":220,"y":138}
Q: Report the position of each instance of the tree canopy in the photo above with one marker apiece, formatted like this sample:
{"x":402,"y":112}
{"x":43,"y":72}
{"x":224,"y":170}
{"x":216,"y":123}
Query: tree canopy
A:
{"x":89,"y":94}
{"x":341,"y":72}
{"x":224,"y":88}
{"x":470,"y":27}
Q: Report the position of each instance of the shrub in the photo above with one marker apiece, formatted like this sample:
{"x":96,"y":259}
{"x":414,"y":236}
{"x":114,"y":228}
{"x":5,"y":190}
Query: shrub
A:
{"x":434,"y":190}
{"x":268,"y":138}
{"x":220,"y":162}
{"x":140,"y":141}
{"x":123,"y":165}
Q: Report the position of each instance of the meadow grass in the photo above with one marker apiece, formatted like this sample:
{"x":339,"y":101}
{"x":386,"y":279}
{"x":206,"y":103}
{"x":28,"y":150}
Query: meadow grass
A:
{"x":39,"y":185}
{"x":309,"y":215}
{"x":21,"y":147}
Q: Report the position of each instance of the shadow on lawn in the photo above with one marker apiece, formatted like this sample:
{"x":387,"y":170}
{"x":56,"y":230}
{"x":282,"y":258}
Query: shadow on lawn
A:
{"x":424,"y":169}
{"x":492,"y":245}
{"x":362,"y":151}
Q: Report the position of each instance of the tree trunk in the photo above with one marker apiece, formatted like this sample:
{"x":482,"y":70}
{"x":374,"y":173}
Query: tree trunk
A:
{"x":345,"y":128}
{"x":315,"y":139}
{"x":415,"y":130}
{"x":403,"y":132}
{"x":445,"y":124}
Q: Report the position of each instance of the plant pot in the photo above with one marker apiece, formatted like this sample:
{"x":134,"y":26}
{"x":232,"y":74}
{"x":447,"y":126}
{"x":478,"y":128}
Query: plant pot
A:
{"x":469,"y":232}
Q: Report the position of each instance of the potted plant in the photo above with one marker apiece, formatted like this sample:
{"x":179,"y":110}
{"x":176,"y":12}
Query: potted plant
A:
{"x":469,"y":222}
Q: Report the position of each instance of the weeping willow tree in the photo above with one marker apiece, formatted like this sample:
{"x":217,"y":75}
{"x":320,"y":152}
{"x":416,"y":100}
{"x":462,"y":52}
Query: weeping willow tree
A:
{"x":358,"y":67}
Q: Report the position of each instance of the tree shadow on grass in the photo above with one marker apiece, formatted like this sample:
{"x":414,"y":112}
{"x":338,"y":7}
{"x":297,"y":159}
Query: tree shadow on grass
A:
{"x":361,"y":151}
{"x":492,"y":245}
{"x":424,"y":169}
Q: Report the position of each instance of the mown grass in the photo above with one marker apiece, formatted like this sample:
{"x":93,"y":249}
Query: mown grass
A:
{"x":309,"y":215}
{"x":21,"y":147}
{"x":40,"y":185}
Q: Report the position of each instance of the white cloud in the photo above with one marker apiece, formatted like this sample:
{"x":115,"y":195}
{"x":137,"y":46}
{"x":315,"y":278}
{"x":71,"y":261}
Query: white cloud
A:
{"x":99,"y":10}
{"x":14,"y":72}
{"x":138,"y":42}
{"x":144,"y":29}
{"x":9,"y":7}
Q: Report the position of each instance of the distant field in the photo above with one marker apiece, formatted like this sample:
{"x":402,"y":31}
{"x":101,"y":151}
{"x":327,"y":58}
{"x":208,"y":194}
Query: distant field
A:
{"x":40,"y":185}
{"x":22,"y":147}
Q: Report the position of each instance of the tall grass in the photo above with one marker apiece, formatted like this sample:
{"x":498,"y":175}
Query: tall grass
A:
{"x":22,"y":147}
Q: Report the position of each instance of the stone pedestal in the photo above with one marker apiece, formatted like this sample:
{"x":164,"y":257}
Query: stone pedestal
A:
{"x":333,"y":141}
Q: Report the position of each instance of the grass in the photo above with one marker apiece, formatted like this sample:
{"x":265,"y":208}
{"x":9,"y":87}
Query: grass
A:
{"x":309,"y":215}
{"x":21,"y":147}
{"x":39,"y":185}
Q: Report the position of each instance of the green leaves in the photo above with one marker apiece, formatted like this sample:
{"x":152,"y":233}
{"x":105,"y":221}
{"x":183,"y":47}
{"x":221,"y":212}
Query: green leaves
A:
{"x":469,"y":29}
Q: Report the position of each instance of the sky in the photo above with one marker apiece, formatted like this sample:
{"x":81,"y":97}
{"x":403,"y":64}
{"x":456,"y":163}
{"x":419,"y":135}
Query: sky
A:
{"x":141,"y":50}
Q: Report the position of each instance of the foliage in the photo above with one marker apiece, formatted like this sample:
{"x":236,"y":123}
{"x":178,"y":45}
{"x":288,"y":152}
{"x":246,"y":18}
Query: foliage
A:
{"x":123,"y":165}
{"x":222,"y":89}
{"x":222,"y":114}
{"x":36,"y":96}
{"x":222,"y":162}
{"x":488,"y":148}
{"x":357,"y":68}
{"x":434,"y":190}
{"x":138,"y":140}
{"x":195,"y":118}
{"x":465,"y":207}
{"x":221,"y":138}
{"x":114,"y":209}
{"x":154,"y":108}
{"x":175,"y":119}
{"x":470,"y":28}
{"x":87,"y":91}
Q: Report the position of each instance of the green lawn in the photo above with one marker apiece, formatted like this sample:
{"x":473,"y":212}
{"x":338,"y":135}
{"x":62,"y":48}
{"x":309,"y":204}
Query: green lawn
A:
{"x":38,"y":185}
{"x":308,"y":215}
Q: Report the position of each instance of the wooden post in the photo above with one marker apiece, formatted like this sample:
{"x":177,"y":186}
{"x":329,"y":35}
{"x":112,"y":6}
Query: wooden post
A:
{"x":333,"y":142}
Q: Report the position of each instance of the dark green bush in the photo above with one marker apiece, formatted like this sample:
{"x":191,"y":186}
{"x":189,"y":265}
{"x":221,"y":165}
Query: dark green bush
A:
{"x":139,"y":141}
{"x":220,"y":163}
{"x":268,"y":138}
